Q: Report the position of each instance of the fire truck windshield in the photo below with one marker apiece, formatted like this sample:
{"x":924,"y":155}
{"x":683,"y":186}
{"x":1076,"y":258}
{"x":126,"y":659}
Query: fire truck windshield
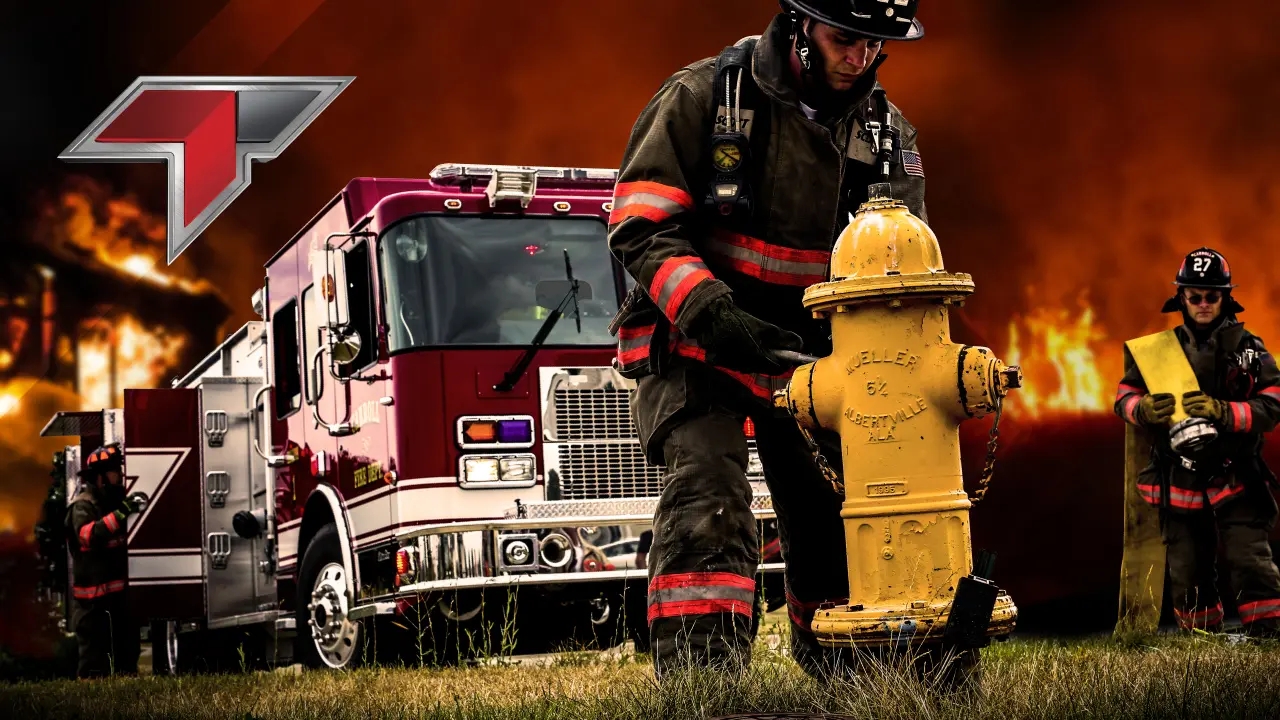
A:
{"x":475,"y":280}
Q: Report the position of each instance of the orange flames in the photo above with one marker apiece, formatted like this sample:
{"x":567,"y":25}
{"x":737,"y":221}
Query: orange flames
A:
{"x":11,"y":393}
{"x":26,"y":404}
{"x":118,"y":233}
{"x":1062,"y":355}
{"x":88,"y":223}
{"x":122,"y":354}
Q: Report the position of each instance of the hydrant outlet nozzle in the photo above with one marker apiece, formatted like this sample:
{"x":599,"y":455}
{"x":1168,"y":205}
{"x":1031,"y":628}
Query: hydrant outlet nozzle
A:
{"x":780,"y":400}
{"x":1010,"y":378}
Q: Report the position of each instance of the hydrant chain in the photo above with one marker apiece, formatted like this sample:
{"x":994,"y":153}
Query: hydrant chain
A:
{"x":821,"y":461}
{"x":989,"y":467}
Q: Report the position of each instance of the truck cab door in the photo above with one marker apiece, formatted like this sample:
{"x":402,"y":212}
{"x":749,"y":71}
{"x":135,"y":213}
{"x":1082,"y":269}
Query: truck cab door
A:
{"x":358,"y":467}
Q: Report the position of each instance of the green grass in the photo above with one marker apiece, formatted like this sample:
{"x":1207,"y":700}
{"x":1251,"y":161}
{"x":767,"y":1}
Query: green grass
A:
{"x":1183,"y":677}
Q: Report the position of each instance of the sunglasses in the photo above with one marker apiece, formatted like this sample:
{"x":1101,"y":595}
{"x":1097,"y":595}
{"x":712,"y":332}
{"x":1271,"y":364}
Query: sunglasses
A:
{"x":1210,"y":298}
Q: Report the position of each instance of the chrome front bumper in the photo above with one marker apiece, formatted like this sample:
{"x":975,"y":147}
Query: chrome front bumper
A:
{"x":542,"y":580}
{"x":466,"y":555}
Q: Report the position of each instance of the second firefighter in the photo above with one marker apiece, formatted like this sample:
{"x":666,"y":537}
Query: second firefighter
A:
{"x":1220,"y":491}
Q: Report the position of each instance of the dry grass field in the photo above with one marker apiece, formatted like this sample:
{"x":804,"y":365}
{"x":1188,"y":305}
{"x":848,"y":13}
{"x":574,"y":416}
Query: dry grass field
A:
{"x":1165,"y":677}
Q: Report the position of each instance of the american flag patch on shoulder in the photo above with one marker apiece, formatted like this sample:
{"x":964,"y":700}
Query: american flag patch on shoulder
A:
{"x":912,"y":164}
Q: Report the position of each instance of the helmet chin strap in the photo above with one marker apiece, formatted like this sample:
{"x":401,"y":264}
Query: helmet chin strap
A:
{"x":813,"y":75}
{"x":803,"y":43}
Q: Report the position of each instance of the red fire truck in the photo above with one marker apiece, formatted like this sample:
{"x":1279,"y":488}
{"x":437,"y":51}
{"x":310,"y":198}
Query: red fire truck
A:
{"x":424,"y":429}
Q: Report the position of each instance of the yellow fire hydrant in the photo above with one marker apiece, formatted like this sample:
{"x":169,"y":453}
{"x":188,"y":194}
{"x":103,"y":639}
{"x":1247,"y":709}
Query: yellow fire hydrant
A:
{"x":896,"y":389}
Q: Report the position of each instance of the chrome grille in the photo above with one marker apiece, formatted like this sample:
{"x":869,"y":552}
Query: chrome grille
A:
{"x":593,"y":471}
{"x":593,"y":414}
{"x":589,"y":441}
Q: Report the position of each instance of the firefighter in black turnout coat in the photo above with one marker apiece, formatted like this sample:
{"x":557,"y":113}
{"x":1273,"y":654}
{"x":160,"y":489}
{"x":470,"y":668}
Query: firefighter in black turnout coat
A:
{"x":1221,"y":493}
{"x":738,"y":178}
{"x":96,"y":528}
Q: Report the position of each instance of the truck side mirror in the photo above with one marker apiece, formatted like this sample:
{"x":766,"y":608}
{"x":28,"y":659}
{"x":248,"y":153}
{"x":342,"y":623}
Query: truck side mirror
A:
{"x":329,"y":268}
{"x":335,"y":289}
{"x":344,"y":345}
{"x":329,"y":272}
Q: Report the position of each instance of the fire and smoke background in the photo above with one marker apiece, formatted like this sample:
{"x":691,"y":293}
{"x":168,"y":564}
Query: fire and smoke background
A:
{"x":1075,"y":152}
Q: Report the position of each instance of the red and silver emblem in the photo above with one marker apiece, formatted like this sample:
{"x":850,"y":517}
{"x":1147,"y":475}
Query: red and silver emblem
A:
{"x":208,"y":130}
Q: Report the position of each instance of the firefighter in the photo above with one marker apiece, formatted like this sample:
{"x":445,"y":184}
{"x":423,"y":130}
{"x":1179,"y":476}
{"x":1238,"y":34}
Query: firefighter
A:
{"x":738,"y":177}
{"x":1220,"y":493}
{"x":96,"y":526}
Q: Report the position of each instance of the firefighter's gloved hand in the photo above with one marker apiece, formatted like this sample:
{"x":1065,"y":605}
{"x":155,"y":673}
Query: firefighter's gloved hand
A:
{"x":129,"y":506}
{"x":738,"y":340}
{"x":1156,"y":409}
{"x":1197,"y":404}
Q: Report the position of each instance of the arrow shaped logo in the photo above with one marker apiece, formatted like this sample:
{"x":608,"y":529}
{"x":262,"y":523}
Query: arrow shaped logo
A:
{"x":149,"y":470}
{"x":208,"y":130}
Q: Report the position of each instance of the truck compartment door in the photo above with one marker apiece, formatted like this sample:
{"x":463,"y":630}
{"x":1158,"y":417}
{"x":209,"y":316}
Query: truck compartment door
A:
{"x":241,"y":576}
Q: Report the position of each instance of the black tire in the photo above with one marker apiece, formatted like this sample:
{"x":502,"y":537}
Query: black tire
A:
{"x":635,"y":606}
{"x":164,"y":647}
{"x":232,"y":650}
{"x":449,"y":628}
{"x":324,"y":550}
{"x":602,"y":628}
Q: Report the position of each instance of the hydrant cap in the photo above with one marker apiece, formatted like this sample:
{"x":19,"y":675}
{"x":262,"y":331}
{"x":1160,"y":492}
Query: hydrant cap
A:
{"x":885,"y":239}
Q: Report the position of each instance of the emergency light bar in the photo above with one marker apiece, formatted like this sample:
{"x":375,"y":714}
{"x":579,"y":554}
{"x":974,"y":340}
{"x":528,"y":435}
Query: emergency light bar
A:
{"x":455,"y":173}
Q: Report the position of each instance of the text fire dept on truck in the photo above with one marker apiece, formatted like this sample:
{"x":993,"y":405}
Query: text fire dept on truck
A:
{"x":424,"y":426}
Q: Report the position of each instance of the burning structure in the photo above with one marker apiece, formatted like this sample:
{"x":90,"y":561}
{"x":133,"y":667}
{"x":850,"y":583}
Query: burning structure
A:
{"x":109,"y":314}
{"x":88,"y":308}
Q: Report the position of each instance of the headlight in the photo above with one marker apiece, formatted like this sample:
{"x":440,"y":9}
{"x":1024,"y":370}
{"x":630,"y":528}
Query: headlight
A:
{"x":516,"y":469}
{"x":508,"y":470}
{"x":480,"y":470}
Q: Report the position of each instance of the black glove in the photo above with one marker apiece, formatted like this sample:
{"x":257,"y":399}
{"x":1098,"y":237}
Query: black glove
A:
{"x":130,"y":505}
{"x":740,"y":341}
{"x":1156,"y":409}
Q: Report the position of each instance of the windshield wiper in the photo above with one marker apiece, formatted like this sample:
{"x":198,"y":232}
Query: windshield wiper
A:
{"x":518,"y":370}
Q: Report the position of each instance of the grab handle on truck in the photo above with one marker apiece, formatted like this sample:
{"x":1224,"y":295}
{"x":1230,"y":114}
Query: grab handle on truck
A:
{"x":342,"y":429}
{"x":274,"y":461}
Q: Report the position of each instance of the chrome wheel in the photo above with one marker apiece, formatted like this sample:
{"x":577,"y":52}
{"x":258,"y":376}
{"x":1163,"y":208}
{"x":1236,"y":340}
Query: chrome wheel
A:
{"x":332,"y":631}
{"x":171,"y":644}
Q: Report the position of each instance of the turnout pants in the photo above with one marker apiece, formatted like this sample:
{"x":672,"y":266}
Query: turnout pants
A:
{"x":702,"y":566}
{"x":107,"y":636}
{"x":1242,"y":526}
